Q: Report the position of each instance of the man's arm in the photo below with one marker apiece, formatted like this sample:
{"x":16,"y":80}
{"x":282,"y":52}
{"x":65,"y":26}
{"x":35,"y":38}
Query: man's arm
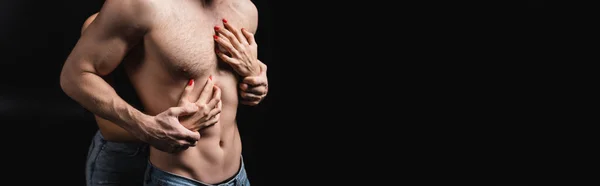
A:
{"x":109,"y":78}
{"x":101,"y":48}
{"x":97,"y":53}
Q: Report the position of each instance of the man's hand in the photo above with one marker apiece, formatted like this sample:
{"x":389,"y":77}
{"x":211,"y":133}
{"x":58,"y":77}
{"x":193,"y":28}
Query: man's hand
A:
{"x":241,"y":48}
{"x":101,"y":48}
{"x":254,"y":89}
{"x":165,"y":133}
{"x":209,"y":104}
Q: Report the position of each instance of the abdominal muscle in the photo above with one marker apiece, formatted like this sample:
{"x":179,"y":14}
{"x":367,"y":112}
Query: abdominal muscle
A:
{"x":216,"y":156}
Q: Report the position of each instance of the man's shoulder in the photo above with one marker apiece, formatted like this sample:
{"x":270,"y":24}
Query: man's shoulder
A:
{"x":128,"y":11}
{"x":129,"y":6}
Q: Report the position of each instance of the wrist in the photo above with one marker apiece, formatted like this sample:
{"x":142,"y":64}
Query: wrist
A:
{"x":138,"y":125}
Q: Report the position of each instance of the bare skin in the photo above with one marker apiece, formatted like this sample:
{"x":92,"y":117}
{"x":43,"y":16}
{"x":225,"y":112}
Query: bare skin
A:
{"x":171,"y":50}
{"x":112,"y":132}
{"x":253,"y":89}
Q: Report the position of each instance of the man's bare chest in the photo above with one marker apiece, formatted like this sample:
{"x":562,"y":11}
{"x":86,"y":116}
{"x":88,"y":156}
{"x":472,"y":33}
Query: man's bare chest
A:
{"x":182,"y":38}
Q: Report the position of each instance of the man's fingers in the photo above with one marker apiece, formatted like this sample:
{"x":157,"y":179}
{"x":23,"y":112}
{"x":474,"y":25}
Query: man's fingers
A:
{"x":258,"y":90}
{"x":184,"y":144}
{"x":244,"y":86}
{"x":190,"y":136}
{"x":186,"y":138}
{"x":192,"y":143}
{"x":255,"y":80}
{"x":177,"y":149}
{"x":187,"y":91}
{"x":250,"y":97}
{"x":188,"y":109}
{"x":250,"y":103}
{"x":206,"y":91}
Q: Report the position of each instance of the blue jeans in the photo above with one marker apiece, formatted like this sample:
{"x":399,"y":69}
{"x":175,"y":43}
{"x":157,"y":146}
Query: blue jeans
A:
{"x":115,"y":163}
{"x":157,"y":177}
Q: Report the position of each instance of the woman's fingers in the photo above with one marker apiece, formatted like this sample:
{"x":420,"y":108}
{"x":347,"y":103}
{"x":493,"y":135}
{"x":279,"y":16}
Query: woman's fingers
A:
{"x":249,"y":37}
{"x":238,"y":34}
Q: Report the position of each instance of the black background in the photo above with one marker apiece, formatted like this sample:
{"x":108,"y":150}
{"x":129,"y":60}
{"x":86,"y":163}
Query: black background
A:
{"x":331,"y":70}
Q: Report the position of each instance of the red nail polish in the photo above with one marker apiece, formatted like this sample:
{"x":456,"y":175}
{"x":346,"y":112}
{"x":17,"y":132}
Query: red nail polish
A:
{"x":210,"y":77}
{"x":191,"y":82}
{"x":243,"y":29}
{"x":216,"y":37}
{"x":216,"y":27}
{"x":224,"y":20}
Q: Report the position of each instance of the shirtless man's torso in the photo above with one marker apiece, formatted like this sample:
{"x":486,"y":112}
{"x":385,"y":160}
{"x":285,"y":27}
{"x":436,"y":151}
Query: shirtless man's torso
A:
{"x":177,"y":45}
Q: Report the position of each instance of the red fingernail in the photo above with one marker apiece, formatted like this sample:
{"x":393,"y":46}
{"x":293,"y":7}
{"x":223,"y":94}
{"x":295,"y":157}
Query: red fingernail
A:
{"x":216,"y":27}
{"x":243,"y":29}
{"x":210,"y":77}
{"x":224,"y":20}
{"x":216,"y":37}
{"x":191,"y":82}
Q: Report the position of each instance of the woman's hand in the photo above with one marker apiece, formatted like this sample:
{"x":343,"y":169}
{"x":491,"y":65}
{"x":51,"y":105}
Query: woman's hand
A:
{"x":241,"y":49}
{"x":208,"y":103}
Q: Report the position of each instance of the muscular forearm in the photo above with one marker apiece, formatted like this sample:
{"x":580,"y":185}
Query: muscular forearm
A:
{"x":127,"y":119}
{"x":96,"y":95}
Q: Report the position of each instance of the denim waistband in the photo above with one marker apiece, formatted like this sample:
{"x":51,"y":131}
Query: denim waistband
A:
{"x":155,"y":172}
